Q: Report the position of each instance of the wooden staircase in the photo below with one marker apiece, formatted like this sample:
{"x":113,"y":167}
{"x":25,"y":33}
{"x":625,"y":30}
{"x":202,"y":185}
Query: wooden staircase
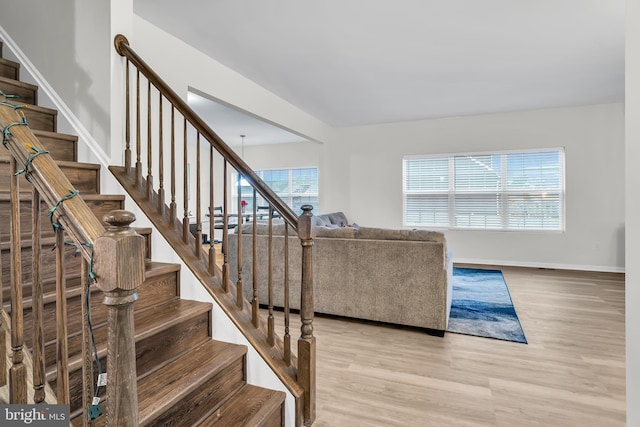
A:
{"x":184,"y":377}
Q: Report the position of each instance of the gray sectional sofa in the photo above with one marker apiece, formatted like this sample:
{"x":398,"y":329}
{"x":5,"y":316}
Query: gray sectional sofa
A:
{"x":395,"y":276}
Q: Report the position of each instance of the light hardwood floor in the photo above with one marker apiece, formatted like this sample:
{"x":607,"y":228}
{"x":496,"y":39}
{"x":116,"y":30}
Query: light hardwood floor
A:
{"x":571,"y":373}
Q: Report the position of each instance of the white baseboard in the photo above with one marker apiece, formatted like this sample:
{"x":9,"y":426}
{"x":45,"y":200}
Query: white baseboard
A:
{"x":598,"y":268}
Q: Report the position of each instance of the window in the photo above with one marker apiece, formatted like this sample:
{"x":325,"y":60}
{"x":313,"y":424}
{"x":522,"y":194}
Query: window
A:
{"x":296,"y":187}
{"x":503,"y":191}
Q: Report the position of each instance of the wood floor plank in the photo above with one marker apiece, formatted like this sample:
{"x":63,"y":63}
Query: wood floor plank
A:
{"x":571,"y":373}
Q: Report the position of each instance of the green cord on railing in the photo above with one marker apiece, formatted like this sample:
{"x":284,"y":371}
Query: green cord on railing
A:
{"x":54,"y":224}
{"x":36,"y":153}
{"x":91,"y":278}
{"x":6,"y":130}
{"x":94,"y":410}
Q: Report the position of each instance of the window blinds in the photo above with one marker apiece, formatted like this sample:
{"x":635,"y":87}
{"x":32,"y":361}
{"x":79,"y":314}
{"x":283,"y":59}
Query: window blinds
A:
{"x":506,"y":190}
{"x":297,"y":187}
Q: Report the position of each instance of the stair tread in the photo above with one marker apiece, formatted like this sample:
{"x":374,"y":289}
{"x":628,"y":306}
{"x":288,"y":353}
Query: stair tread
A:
{"x":78,"y":165}
{"x":9,"y":62}
{"x":5,"y":196}
{"x":155,"y":268}
{"x":39,"y":108}
{"x":58,"y":135}
{"x":250,"y":406}
{"x":18,"y":83}
{"x":159,"y":391}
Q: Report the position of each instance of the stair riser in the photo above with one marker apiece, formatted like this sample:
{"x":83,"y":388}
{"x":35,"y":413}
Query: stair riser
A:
{"x":74,"y":324}
{"x":202,"y":400}
{"x":48,"y":287}
{"x":85,"y":180}
{"x":152,"y":351}
{"x":99,"y":207}
{"x":276,"y":419}
{"x":27,"y":94}
{"x":47,"y":264}
{"x":9,"y":70}
{"x":158,"y":289}
{"x":41,"y":119}
{"x":62,"y":149}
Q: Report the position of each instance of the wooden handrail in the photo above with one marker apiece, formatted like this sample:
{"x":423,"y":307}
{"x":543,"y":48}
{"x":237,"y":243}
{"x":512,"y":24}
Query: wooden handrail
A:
{"x":122,"y":47}
{"x":78,"y":220}
{"x":114,"y":252}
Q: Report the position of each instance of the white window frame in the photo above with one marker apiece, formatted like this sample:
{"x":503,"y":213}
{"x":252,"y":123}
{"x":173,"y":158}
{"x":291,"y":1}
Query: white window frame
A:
{"x":502,"y":193}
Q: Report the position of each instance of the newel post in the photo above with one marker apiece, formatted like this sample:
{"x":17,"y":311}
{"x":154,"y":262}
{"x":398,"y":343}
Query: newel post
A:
{"x":307,"y":342}
{"x":119,"y":267}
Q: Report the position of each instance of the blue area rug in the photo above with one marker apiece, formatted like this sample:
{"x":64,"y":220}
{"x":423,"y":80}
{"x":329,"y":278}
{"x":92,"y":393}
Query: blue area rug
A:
{"x":481,"y":306}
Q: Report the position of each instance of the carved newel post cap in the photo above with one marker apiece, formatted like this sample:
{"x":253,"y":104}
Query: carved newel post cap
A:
{"x":119,"y":218}
{"x":306,"y":225}
{"x":119,"y":254}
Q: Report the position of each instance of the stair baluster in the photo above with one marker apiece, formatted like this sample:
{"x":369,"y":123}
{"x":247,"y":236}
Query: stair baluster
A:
{"x":18,"y":370}
{"x":3,"y":334}
{"x":138,"y":137}
{"x":172,"y":206}
{"x":62,"y":379}
{"x":198,"y":243}
{"x":87,"y":357}
{"x":287,"y":337}
{"x":307,"y":342}
{"x":127,"y":126}
{"x":149,"y":146}
{"x":37,"y":304}
{"x":239,"y":285}
{"x":212,"y":248}
{"x":160,"y":159}
{"x":185,"y":186}
{"x":271,"y":340}
{"x":255,"y":305}
{"x":225,"y":230}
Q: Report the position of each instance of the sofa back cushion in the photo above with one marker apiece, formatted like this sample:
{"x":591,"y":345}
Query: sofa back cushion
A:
{"x":387,"y":234}
{"x":338,"y":219}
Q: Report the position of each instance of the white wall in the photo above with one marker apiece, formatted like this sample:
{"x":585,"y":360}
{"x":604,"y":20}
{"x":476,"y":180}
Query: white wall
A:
{"x":69,"y":42}
{"x":632,"y":155}
{"x":361,"y":175}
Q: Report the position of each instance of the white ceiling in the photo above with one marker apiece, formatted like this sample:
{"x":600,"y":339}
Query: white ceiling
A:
{"x":358,"y":62}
